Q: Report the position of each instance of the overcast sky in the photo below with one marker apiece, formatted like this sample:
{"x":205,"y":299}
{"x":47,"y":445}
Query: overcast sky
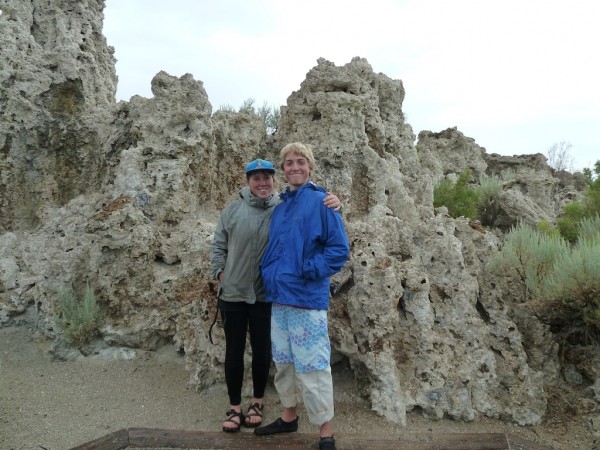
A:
{"x":517,"y":76}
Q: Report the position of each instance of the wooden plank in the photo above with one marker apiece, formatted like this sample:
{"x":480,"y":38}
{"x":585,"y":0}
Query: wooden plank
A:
{"x":145,"y":438}
{"x":148,"y":438}
{"x":155,"y":438}
{"x":518,"y":443}
{"x":114,"y":441}
{"x":450,"y":441}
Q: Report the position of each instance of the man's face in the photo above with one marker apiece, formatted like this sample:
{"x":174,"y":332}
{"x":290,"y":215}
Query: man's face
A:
{"x":261,"y":184}
{"x":296,"y":170}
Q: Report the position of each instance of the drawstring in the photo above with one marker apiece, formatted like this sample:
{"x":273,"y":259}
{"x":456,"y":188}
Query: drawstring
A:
{"x":212,"y":325}
{"x":215,"y":321}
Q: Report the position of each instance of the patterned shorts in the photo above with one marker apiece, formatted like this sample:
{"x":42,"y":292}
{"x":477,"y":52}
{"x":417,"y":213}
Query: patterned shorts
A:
{"x":300,"y":337}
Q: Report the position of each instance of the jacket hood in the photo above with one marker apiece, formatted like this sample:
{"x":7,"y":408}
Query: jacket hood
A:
{"x":309,"y":185}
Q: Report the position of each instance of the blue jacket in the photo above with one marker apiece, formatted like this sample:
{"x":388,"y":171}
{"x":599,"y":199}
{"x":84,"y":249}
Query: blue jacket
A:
{"x":307,"y":244}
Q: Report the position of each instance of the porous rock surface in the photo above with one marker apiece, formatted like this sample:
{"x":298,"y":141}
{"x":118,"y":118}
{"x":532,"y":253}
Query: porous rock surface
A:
{"x":126,"y":196}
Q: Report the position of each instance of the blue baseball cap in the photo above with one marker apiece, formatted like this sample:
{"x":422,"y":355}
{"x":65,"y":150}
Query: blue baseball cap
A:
{"x":259,"y":165}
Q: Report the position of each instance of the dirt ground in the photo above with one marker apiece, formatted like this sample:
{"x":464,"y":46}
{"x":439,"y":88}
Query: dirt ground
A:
{"x":56,"y":405}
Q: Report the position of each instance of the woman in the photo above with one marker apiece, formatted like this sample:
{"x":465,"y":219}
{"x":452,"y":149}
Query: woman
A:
{"x":238,"y":245}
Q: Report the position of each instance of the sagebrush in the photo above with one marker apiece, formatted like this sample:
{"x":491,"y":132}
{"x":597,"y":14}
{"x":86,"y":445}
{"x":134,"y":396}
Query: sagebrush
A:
{"x":78,"y":319}
{"x":269,"y":115}
{"x":575,"y":212}
{"x":561,"y":281}
{"x":569,"y":296}
{"x":475,"y":201}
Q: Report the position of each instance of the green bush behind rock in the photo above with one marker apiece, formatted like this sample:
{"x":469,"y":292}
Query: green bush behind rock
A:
{"x":79,"y":320}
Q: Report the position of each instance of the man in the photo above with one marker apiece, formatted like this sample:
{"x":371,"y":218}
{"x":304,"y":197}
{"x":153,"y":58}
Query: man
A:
{"x":307,"y":244}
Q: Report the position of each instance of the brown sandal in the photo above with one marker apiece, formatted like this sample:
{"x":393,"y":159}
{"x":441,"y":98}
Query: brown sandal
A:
{"x":231,"y":414}
{"x":254,"y":410}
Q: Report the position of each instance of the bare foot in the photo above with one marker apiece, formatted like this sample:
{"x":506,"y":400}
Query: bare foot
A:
{"x":234,"y":419}
{"x":254,"y":414}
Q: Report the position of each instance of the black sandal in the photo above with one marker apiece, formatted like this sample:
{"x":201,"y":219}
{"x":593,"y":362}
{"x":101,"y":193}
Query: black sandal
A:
{"x":254,"y":410}
{"x":231,"y":414}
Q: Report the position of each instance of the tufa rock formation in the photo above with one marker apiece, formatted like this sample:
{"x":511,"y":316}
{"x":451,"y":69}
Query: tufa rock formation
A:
{"x":126,"y":196}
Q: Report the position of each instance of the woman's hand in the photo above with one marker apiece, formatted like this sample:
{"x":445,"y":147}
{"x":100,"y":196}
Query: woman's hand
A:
{"x":332,"y":201}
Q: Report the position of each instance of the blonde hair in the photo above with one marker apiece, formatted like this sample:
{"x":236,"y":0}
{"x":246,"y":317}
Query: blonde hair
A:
{"x":300,"y":149}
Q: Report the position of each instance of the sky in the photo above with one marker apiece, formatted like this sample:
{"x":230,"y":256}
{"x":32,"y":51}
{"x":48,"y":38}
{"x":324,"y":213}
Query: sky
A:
{"x":518,"y":76}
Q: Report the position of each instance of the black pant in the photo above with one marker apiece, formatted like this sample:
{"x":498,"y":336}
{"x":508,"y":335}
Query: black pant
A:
{"x":238,"y":318}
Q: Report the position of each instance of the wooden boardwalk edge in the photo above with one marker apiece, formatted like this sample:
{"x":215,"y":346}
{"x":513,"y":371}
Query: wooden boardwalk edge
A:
{"x":148,"y":438}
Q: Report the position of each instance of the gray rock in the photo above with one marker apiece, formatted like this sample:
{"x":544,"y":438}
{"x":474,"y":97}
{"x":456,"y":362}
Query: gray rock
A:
{"x":126,"y":196}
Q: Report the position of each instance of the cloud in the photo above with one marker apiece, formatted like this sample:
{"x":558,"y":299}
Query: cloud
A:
{"x":516,"y":76}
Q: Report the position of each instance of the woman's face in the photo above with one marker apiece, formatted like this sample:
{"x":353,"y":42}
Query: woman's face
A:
{"x":261,"y":184}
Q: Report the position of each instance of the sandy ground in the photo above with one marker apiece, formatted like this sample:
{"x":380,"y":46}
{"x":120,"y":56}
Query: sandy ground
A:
{"x":54,"y":405}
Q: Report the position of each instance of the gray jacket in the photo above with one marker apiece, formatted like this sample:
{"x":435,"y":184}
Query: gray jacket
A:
{"x":238,"y":245}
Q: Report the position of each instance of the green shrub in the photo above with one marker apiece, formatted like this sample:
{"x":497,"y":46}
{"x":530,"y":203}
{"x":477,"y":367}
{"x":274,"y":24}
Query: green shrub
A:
{"x":488,"y":207}
{"x":490,"y":185}
{"x":578,"y":210}
{"x":589,"y":227}
{"x":269,"y":115}
{"x":530,"y":255}
{"x":562,"y":282}
{"x":547,"y":228}
{"x":475,"y":202}
{"x":248,"y":105}
{"x":79,"y":320}
{"x":459,"y":197}
{"x":568,"y":224}
{"x":569,"y":296}
{"x":592,"y":192}
{"x":227,"y":108}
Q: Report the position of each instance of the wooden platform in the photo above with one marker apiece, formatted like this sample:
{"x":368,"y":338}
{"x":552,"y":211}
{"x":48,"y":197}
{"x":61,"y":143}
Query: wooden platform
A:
{"x":146,"y":438}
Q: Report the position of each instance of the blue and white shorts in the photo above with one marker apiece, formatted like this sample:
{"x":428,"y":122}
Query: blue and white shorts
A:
{"x":300,"y":337}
